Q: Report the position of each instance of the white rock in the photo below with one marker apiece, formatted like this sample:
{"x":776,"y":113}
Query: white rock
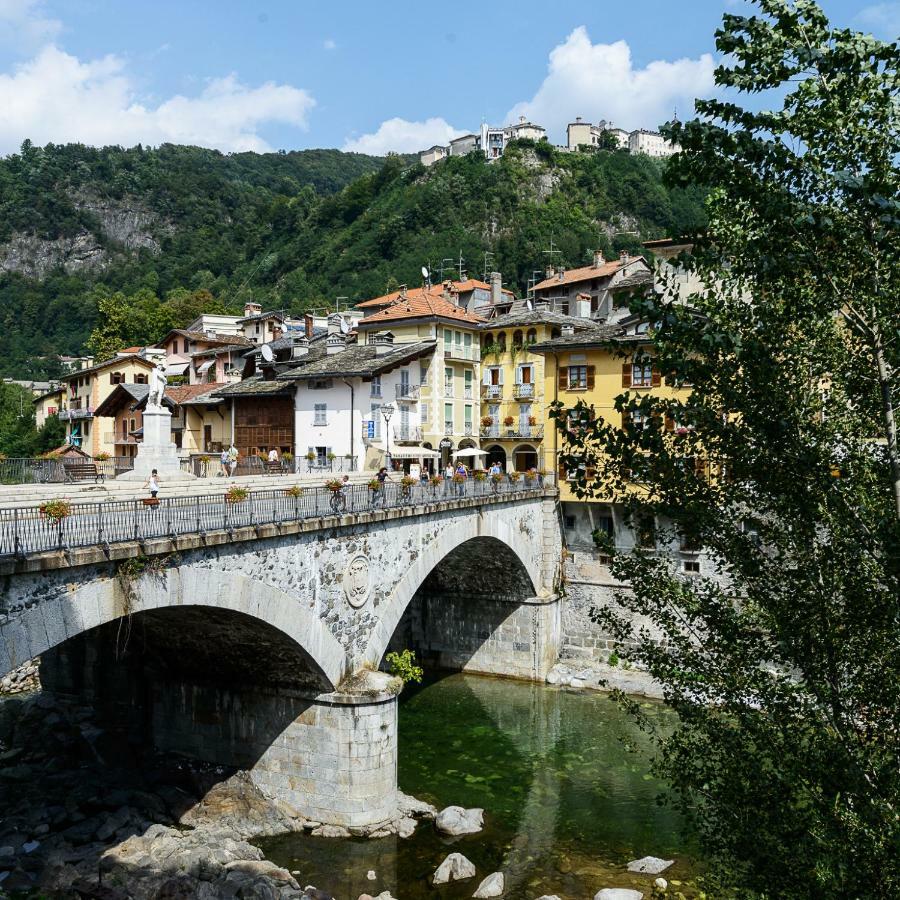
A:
{"x":454,"y":820}
{"x":661,"y":883}
{"x":331,"y":831}
{"x":553,"y":678}
{"x":492,"y":886}
{"x":548,"y":897}
{"x":371,"y":875}
{"x":576,"y":683}
{"x":618,"y":894}
{"x":649,"y":865}
{"x":454,"y":868}
{"x":406,"y":827}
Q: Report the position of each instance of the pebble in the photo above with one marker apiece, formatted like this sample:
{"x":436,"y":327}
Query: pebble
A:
{"x":661,"y":883}
{"x":454,"y":868}
{"x":649,"y":865}
{"x":492,"y":886}
{"x":371,"y":875}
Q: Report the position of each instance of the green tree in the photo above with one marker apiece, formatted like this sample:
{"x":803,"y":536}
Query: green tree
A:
{"x":112,"y":315}
{"x":782,"y":660}
{"x":17,"y":431}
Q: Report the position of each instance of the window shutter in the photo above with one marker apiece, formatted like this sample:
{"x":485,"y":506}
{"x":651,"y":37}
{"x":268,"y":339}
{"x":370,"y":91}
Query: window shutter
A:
{"x":501,"y":376}
{"x":626,"y":375}
{"x":590,"y":377}
{"x":486,"y":376}
{"x":654,"y":378}
{"x":563,"y":378}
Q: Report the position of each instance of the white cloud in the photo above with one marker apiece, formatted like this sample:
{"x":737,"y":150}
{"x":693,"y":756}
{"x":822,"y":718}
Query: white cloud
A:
{"x":329,"y":44}
{"x":25,"y":25}
{"x":883,"y":19}
{"x":402,"y":136}
{"x":599,"y":81}
{"x":57,"y":97}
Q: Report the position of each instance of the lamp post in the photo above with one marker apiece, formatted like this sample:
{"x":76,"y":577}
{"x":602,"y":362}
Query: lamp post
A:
{"x":387,"y":411}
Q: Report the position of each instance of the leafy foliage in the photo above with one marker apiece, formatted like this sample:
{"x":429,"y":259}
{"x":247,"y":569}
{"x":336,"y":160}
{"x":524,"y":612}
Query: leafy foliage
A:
{"x":783,"y":662}
{"x":403,"y":666}
{"x":294,"y":231}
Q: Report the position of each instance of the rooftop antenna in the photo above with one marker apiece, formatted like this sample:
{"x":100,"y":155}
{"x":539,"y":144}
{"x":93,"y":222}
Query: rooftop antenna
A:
{"x":337,"y":303}
{"x":460,"y":269}
{"x":536,"y":276}
{"x":488,"y":264}
{"x":553,"y":251}
{"x":446,"y":263}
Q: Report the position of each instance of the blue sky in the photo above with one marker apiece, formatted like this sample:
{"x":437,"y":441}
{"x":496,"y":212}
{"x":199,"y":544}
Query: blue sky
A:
{"x":353,"y":74}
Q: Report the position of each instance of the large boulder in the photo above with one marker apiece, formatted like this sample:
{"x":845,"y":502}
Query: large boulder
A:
{"x":492,"y":886}
{"x":649,"y":865}
{"x":618,"y":894}
{"x":454,"y":868}
{"x":454,"y":820}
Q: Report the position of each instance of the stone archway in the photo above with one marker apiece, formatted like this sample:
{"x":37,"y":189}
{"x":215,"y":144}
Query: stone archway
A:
{"x":497,"y":454}
{"x":524,"y":457}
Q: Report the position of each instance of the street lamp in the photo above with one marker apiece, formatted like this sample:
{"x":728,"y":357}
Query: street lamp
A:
{"x":387,"y":411}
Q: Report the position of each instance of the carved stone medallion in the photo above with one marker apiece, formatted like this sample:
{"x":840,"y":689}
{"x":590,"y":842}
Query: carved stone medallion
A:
{"x":356,"y":581}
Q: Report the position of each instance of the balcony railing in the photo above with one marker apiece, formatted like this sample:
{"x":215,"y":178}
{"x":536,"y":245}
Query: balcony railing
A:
{"x":468,"y":429}
{"x":448,"y":428}
{"x":523,"y":392}
{"x":467,"y":393}
{"x":68,"y":415}
{"x":468,"y":354}
{"x":448,"y":389}
{"x":410,"y":434}
{"x":514,"y":432}
{"x":492,"y":391}
{"x":407,"y":392}
{"x":490,"y":431}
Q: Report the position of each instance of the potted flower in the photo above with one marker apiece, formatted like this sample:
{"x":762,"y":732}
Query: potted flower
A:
{"x":334,"y":484}
{"x":479,"y":475}
{"x":530,"y":476}
{"x":311,"y":455}
{"x":496,"y":478}
{"x":487,"y":421}
{"x":374,"y":484}
{"x":54,"y":511}
{"x":287,"y":456}
{"x":236,"y":495}
{"x":436,"y":480}
{"x":459,"y":479}
{"x":407,"y":481}
{"x":508,"y":421}
{"x":532,"y":421}
{"x":102,"y":457}
{"x":295,"y":491}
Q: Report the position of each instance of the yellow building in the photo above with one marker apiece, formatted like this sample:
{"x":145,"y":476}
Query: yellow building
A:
{"x":595,"y":365}
{"x":514,"y":424}
{"x":87,"y":388}
{"x":47,"y":405}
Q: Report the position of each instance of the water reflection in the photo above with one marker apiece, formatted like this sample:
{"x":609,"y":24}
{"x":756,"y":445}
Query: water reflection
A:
{"x":566,"y":804}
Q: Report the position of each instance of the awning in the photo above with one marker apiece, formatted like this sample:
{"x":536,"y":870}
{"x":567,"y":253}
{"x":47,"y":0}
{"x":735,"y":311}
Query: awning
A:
{"x":206,"y":366}
{"x":413,"y":453}
{"x":470,"y":451}
{"x":176,"y":369}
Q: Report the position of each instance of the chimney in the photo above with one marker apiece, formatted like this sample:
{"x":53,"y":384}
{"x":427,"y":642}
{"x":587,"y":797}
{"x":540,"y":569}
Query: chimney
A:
{"x":384,"y":343}
{"x":583,"y":306}
{"x":334,"y":325}
{"x":402,"y":291}
{"x":624,"y":257}
{"x":598,"y":259}
{"x":561,"y":273}
{"x":277,"y":332}
{"x":577,"y":118}
{"x":567,"y":330}
{"x":308,"y":325}
{"x":251,"y":309}
{"x":549,"y":272}
{"x":446,"y":291}
{"x":496,"y":288}
{"x":300,"y":347}
{"x":334,"y":343}
{"x":521,"y":120}
{"x":542,"y":303}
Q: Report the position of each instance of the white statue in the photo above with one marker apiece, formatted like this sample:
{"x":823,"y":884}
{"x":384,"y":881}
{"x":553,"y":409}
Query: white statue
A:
{"x":157,"y":387}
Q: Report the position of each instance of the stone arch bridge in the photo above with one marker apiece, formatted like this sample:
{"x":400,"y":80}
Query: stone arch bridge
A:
{"x":258,"y":647}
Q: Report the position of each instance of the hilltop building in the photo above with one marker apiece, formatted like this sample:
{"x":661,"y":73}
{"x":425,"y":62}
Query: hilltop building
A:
{"x":491,"y":140}
{"x":581,"y":135}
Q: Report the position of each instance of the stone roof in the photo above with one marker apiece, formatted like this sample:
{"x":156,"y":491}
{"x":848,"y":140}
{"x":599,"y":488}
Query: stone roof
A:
{"x":122,"y":395}
{"x":537,"y":316}
{"x":596,"y":336}
{"x":356,"y":361}
{"x":256,"y":386}
{"x":115,"y":360}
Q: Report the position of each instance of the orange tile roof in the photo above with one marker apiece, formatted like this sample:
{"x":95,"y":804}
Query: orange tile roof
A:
{"x":585,"y":273}
{"x":178,"y":393}
{"x":460,"y":287}
{"x":131,"y":350}
{"x":421,"y":305}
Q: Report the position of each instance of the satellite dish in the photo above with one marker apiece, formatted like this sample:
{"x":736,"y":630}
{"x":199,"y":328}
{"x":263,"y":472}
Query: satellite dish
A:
{"x":267,"y":353}
{"x":345,"y":326}
{"x":529,"y":304}
{"x":425,"y":272}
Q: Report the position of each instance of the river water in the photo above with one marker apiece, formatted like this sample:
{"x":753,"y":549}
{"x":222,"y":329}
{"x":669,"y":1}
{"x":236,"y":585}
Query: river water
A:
{"x":567,"y":804}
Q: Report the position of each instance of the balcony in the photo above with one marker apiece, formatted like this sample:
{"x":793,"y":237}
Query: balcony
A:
{"x":492,"y":391}
{"x":490,"y":431}
{"x":468,"y":429}
{"x":448,"y":389}
{"x":465,"y":354}
{"x":409,"y":435}
{"x":71,"y":415}
{"x":523,"y":392}
{"x":408,"y":393}
{"x":448,"y":428}
{"x":513,"y":432}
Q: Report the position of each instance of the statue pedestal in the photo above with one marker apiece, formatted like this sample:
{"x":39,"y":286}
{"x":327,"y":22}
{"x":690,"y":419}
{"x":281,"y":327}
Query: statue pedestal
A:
{"x":157,"y":450}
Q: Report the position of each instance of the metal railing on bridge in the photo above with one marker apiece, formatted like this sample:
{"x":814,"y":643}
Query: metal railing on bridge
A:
{"x":29,"y":530}
{"x":52,"y":470}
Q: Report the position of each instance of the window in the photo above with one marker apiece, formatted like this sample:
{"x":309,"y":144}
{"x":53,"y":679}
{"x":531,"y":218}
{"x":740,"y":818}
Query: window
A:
{"x":640,"y":373}
{"x":501,"y":341}
{"x":689,"y":542}
{"x":691,"y":567}
{"x":140,"y":378}
{"x":320,"y":384}
{"x":424,"y":413}
{"x":448,"y":381}
{"x":448,"y":340}
{"x":117,"y":378}
{"x":577,"y":378}
{"x":448,"y":418}
{"x":321,"y":414}
{"x":531,"y":337}
{"x":468,"y":418}
{"x":645,"y":532}
{"x":570,"y":522}
{"x":186,"y":346}
{"x":517,"y":339}
{"x":423,"y":373}
{"x":211,"y":374}
{"x":376,"y":418}
{"x":376,"y":386}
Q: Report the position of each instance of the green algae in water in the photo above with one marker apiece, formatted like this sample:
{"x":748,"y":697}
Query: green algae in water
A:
{"x":566,"y":804}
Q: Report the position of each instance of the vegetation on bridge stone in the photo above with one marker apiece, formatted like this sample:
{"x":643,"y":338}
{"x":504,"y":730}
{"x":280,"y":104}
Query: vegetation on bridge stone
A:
{"x":785,"y":671}
{"x":403,"y":665}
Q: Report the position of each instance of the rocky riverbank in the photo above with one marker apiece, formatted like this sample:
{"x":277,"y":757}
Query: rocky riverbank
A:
{"x":85,"y":813}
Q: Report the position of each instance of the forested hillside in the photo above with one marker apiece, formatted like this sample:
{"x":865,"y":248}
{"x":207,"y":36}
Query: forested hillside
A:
{"x":175,"y":230}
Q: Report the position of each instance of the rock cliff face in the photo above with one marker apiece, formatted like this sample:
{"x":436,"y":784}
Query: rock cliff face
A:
{"x":122,"y":225}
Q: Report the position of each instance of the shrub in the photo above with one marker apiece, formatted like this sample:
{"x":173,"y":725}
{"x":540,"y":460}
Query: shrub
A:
{"x":374,"y":484}
{"x":436,"y":480}
{"x":311,"y":455}
{"x":459,"y":479}
{"x":480,"y":475}
{"x":407,"y":481}
{"x":295,"y":491}
{"x":101,"y":457}
{"x":403,"y":666}
{"x":236,"y":495}
{"x":334,"y":484}
{"x":613,"y":659}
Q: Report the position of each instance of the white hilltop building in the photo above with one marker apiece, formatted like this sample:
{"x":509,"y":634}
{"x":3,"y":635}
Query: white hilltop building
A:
{"x":491,"y":140}
{"x":581,"y":135}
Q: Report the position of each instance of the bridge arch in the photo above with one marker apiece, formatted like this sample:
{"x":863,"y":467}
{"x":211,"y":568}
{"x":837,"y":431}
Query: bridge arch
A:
{"x":77,"y":610}
{"x":501,"y":531}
